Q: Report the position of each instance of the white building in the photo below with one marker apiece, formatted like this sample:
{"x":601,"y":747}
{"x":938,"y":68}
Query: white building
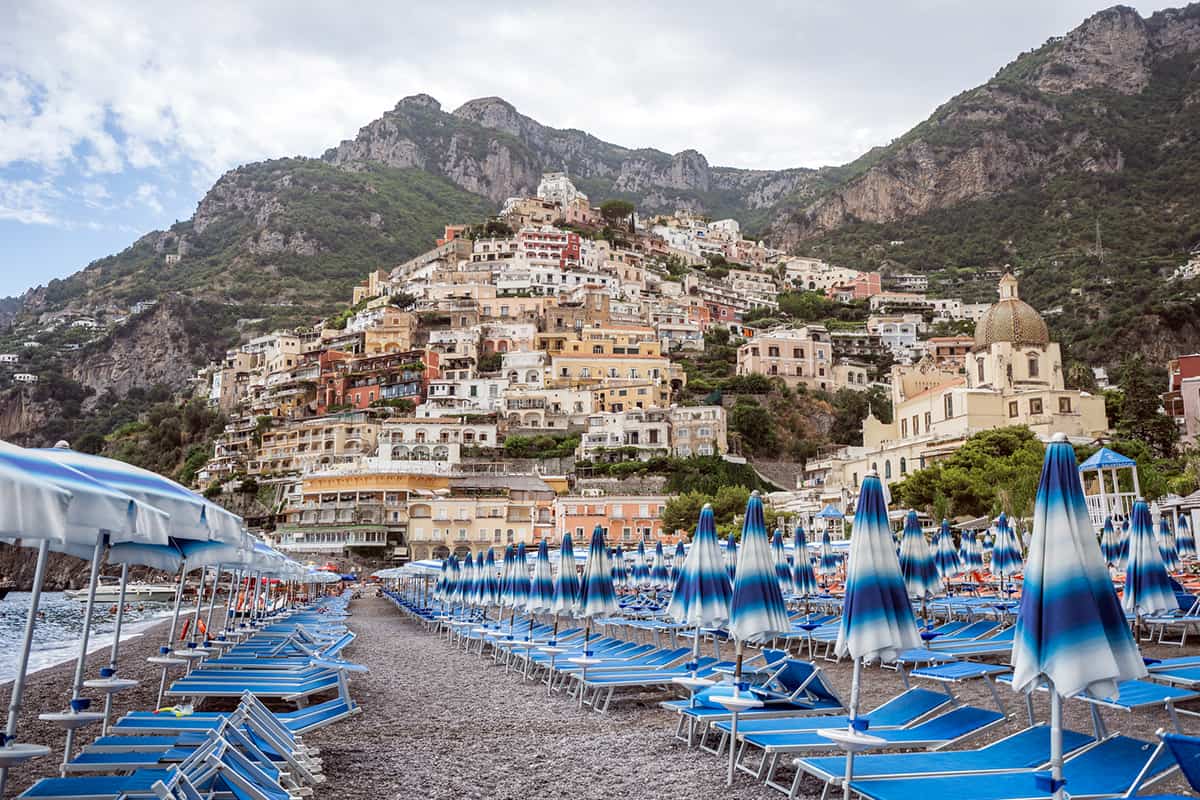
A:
{"x":25,"y":377}
{"x":9,"y":358}
{"x":557,"y":188}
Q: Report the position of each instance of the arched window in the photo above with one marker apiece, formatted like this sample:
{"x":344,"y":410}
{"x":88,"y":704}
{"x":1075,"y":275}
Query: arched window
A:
{"x":979,"y":366}
{"x":1033,"y":365}
{"x":887,"y":469}
{"x":903,"y":465}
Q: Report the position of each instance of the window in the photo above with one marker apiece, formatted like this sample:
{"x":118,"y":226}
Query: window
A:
{"x":979,"y":366}
{"x":1012,"y":408}
{"x":773,"y":352}
{"x":1064,"y":405}
{"x":916,"y":426}
{"x":1033,"y":366}
{"x":903,"y":465}
{"x":887,"y":469}
{"x":1035,"y":405}
{"x":928,"y":420}
{"x":903,"y":428}
{"x":949,"y":406}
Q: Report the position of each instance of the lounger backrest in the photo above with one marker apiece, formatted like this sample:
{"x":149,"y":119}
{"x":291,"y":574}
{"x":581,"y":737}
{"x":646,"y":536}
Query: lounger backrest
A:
{"x":1116,"y":766}
{"x":907,"y":707}
{"x":958,"y":722}
{"x":1186,"y":750}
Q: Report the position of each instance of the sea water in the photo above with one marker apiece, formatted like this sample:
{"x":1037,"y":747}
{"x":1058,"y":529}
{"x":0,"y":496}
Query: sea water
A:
{"x":60,"y":625}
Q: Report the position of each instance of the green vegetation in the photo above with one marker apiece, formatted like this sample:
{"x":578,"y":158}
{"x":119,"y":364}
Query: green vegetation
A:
{"x":542,"y":446}
{"x":705,"y":474}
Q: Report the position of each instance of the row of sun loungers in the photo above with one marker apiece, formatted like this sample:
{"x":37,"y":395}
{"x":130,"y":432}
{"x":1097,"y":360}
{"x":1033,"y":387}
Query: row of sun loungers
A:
{"x":248,"y":753}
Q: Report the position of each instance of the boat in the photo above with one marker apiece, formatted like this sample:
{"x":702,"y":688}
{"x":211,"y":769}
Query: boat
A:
{"x":110,"y":592}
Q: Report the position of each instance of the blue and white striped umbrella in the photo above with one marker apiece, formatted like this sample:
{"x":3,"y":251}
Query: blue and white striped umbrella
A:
{"x":757,"y":612}
{"x":677,"y":561}
{"x":541,"y":594}
{"x":702,"y":593}
{"x":454,"y":581}
{"x":660,"y":576}
{"x":1124,"y":540}
{"x":1006,"y":551}
{"x":1166,"y":544}
{"x":489,"y":586}
{"x":916,"y":561}
{"x":783,"y":570}
{"x":1071,"y":631}
{"x":945,"y":554}
{"x":620,"y":569}
{"x":507,"y":572}
{"x":731,"y":555}
{"x":566,"y":583}
{"x":641,"y":569}
{"x":520,"y":579}
{"x":827,"y":564}
{"x":1184,"y":541}
{"x":439,"y":588}
{"x":1147,"y":586}
{"x":877,"y":618}
{"x":971,"y":552}
{"x":803,"y":579}
{"x":1070,"y":628}
{"x":596,"y":594}
{"x":1110,"y":544}
{"x":466,"y":577}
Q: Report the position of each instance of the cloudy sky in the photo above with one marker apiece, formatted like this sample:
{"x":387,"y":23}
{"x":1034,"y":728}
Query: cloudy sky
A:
{"x":116,"y":117}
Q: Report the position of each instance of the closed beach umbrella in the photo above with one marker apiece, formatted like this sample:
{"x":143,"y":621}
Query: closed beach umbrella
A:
{"x":677,"y":559}
{"x":467,"y":580}
{"x":916,"y":561}
{"x":1147,"y":586}
{"x":566,"y":583}
{"x":783,"y":570}
{"x":1071,"y":631}
{"x":541,"y":595}
{"x":660,"y":576}
{"x":620,"y":568}
{"x":596,"y":595}
{"x":702,"y":593}
{"x":1184,"y":541}
{"x":757,"y":612}
{"x":506,"y":576}
{"x":803,"y":579}
{"x":731,"y":555}
{"x":827,"y":564}
{"x":455,"y":581}
{"x":1110,"y":544}
{"x":641,"y":569}
{"x":945,"y":554}
{"x":1166,"y":544}
{"x":1124,"y":540}
{"x":877,"y":618}
{"x":489,"y":586}
{"x":1006,"y":551}
{"x":521,"y":584}
{"x":439,"y":588}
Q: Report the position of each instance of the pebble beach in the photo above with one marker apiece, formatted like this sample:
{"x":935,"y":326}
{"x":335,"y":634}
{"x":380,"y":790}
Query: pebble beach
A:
{"x":437,"y":723}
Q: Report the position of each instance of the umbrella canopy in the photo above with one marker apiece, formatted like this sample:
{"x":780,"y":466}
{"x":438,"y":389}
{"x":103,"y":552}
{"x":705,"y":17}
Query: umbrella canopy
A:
{"x":803,"y":580}
{"x":1166,"y":544}
{"x":916,"y":561}
{"x":467,"y":580}
{"x":1070,"y":630}
{"x":1184,"y":541}
{"x":660,"y":576}
{"x":677,"y":560}
{"x":489,"y":586}
{"x":945,"y":554}
{"x":702,"y":593}
{"x":439,"y":589}
{"x":1147,"y":586}
{"x":596,"y":594}
{"x":641,"y":570}
{"x":877,"y":618}
{"x":520,"y":579}
{"x":827,"y":564}
{"x":454,"y":581}
{"x":541,"y":595}
{"x":757,"y":612}
{"x":620,"y":569}
{"x":731,"y":556}
{"x":1124,"y":540}
{"x":506,"y":577}
{"x":783,"y":570}
{"x":566,"y":583}
{"x":1110,"y":544}
{"x":1006,"y":552}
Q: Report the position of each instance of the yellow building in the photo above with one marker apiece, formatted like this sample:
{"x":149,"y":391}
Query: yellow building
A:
{"x":621,"y":361}
{"x":1014,"y":376}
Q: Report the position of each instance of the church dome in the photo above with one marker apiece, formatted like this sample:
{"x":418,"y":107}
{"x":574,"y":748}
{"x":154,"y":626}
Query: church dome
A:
{"x":1011,"y":319}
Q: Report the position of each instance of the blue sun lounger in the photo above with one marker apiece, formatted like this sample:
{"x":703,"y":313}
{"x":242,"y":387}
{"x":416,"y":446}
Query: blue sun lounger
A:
{"x":1025,"y":750}
{"x":294,"y":722}
{"x":647,"y":678}
{"x":1134,"y":695}
{"x":1186,"y":751}
{"x":1112,"y":768}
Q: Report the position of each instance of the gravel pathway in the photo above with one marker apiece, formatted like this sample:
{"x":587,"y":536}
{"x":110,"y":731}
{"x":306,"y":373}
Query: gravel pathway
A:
{"x":437,"y":723}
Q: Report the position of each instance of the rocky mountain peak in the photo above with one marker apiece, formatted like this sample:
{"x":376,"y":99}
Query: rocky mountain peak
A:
{"x":419,"y":101}
{"x":495,"y":113}
{"x":1110,"y":50}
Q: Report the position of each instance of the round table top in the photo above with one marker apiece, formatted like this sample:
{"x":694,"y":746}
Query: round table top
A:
{"x":585,"y":661}
{"x":166,"y":661}
{"x":72,"y":719}
{"x":739,"y":703}
{"x":110,"y":685}
{"x":851,"y":740}
{"x":694,"y":683}
{"x":16,"y":753}
{"x":195,"y":652}
{"x":552,"y":651}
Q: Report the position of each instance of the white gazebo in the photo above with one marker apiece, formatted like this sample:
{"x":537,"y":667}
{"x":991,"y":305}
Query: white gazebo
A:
{"x":1105,"y":498}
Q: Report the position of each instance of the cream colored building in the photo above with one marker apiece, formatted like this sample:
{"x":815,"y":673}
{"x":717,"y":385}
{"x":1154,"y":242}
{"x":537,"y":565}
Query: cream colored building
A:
{"x":1014,"y":376}
{"x":798,"y":355}
{"x":698,"y":431}
{"x":318,"y":443}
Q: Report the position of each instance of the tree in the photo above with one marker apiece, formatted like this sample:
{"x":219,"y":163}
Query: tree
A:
{"x":615,"y":212}
{"x":403,"y":300}
{"x":491,"y":362}
{"x":754,"y":425}
{"x":1140,"y":417}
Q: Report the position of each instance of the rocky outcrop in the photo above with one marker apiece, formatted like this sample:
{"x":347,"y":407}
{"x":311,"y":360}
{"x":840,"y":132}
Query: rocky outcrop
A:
{"x":1110,"y":50}
{"x":17,"y":564}
{"x":21,"y":413}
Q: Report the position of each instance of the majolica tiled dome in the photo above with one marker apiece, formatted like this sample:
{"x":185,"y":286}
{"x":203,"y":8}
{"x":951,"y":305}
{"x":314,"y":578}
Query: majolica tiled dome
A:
{"x":1011,"y":319}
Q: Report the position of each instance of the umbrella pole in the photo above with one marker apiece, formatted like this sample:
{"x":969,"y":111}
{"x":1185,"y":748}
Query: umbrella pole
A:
{"x":235,"y":578}
{"x":14,"y":703}
{"x":855,"y":688}
{"x":199,"y":603}
{"x":737,"y":683}
{"x":116,"y":646}
{"x":1056,"y":741}
{"x":162,"y":681}
{"x":212,"y":604}
{"x":81,"y":662}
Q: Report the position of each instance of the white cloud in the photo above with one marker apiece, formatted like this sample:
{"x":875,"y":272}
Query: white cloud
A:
{"x":147,"y":195}
{"x":28,"y":202}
